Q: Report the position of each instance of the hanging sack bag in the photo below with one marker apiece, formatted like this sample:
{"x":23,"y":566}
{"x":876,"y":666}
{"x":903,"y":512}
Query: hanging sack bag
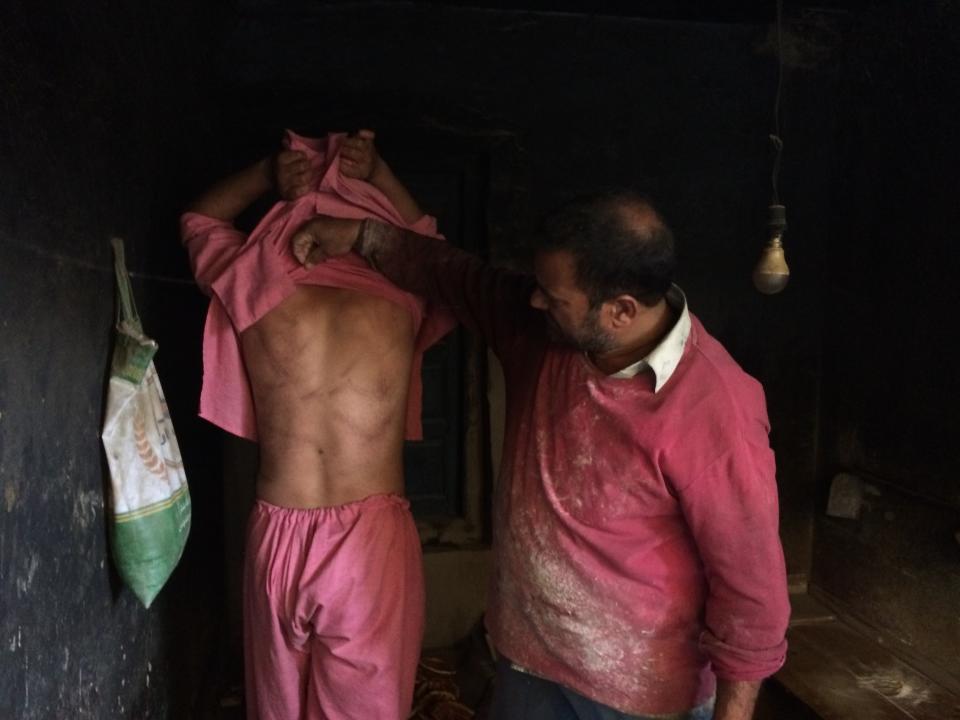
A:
{"x":150,"y":503}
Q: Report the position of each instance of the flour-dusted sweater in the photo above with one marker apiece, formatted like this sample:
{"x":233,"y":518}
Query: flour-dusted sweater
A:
{"x":637,"y":555}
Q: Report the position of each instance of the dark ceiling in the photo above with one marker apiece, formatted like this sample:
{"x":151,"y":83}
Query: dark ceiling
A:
{"x":722,"y":11}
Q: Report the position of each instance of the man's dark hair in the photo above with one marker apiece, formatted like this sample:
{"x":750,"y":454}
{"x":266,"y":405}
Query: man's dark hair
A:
{"x":619,"y":242}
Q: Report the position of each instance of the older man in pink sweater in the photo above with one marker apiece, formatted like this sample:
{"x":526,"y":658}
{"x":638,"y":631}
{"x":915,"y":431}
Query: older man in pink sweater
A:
{"x":638,"y":568}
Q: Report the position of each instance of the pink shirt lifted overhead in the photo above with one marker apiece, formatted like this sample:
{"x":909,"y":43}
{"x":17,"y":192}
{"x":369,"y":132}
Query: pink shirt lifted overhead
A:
{"x":247,"y":276}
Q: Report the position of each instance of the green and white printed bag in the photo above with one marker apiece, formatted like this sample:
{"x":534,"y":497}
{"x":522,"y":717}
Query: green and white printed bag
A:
{"x":150,"y":503}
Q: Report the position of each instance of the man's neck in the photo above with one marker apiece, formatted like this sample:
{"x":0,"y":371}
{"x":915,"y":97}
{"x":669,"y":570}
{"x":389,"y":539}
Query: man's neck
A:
{"x":652,"y":327}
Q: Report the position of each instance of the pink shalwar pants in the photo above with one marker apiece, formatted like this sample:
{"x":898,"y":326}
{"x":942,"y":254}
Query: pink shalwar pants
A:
{"x":333,"y":611}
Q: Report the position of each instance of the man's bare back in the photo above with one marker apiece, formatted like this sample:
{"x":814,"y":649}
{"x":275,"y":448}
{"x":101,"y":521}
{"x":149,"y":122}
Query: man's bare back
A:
{"x":330,"y":370}
{"x":329,"y":540}
{"x":329,"y":367}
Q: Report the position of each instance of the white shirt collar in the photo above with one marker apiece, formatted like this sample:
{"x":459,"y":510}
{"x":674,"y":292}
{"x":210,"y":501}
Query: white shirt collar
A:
{"x":665,"y":357}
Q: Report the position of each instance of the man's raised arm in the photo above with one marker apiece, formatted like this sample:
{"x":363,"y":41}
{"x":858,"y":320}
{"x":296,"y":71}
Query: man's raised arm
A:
{"x":288,"y":172}
{"x":490,"y":301}
{"x":206,"y":227}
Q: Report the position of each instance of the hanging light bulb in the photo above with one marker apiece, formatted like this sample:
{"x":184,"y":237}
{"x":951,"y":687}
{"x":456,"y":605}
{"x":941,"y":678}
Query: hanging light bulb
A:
{"x":771,"y":273}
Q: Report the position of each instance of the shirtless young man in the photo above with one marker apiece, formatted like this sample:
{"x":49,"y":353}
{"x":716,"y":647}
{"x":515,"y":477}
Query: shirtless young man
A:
{"x":333,"y":587}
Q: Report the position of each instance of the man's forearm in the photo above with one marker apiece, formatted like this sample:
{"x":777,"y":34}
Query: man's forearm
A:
{"x":736,"y":699}
{"x":487,"y":300}
{"x":375,"y":238}
{"x":234,"y":194}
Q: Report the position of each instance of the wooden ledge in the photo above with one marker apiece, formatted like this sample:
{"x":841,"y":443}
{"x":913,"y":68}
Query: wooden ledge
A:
{"x":841,"y":674}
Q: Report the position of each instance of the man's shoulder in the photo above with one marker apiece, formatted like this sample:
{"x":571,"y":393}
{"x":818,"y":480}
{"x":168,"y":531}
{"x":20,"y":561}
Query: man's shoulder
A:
{"x":712,"y":357}
{"x":716,"y":380}
{"x":721,"y":406}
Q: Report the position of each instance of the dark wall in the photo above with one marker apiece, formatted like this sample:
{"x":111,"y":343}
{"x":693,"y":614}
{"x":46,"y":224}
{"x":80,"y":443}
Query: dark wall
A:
{"x":113,"y":117}
{"x":101,"y":117}
{"x":568,"y":103}
{"x":890,"y":382}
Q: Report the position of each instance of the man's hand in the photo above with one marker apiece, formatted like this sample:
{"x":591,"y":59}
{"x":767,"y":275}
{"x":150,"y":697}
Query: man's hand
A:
{"x":359,"y":160}
{"x":736,"y":699}
{"x":293,"y":175}
{"x":358,"y":156}
{"x":324,"y":237}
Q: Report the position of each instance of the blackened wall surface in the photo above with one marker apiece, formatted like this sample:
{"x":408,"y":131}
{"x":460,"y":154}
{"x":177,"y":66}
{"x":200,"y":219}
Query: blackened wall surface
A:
{"x":110,"y":123}
{"x":890,"y":384}
{"x":100,"y":118}
{"x":573,"y":103}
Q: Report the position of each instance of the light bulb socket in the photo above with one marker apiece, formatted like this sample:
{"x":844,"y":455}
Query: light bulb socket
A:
{"x":777,"y":218}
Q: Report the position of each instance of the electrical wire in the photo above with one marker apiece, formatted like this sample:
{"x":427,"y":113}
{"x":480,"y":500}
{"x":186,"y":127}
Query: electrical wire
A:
{"x":63,"y":259}
{"x":775,"y":137}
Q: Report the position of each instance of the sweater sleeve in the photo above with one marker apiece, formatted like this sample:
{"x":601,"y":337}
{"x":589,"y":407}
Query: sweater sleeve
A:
{"x":732,"y":512}
{"x":490,"y":301}
{"x":211,"y":244}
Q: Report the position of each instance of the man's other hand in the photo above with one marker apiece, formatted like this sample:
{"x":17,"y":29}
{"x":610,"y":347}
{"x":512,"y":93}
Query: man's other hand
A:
{"x":358,"y":156}
{"x":324,"y":237}
{"x":293,"y":174}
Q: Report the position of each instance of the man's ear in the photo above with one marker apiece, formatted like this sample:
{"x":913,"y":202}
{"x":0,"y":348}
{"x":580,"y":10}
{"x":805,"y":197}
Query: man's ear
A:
{"x":621,"y":311}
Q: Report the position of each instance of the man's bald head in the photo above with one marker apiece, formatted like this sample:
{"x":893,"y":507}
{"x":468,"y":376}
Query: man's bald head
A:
{"x":620,"y":245}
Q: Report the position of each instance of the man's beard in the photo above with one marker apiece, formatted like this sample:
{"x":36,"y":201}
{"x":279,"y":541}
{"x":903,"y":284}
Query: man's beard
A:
{"x":590,"y":337}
